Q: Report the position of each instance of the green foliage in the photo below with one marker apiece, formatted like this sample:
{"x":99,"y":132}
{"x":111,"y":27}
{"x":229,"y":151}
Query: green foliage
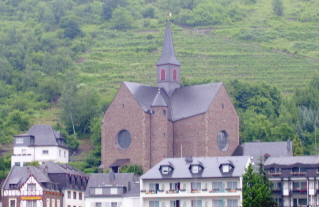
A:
{"x":256,"y":188}
{"x":80,"y":165}
{"x":34,"y":163}
{"x":72,"y":141}
{"x":121,"y":19}
{"x":134,"y":168}
{"x":148,"y":12}
{"x":71,"y":28}
{"x":277,"y":7}
{"x":109,"y":6}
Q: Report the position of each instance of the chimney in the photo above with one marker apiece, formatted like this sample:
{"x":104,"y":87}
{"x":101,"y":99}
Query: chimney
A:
{"x":46,"y":169}
{"x":288,"y":145}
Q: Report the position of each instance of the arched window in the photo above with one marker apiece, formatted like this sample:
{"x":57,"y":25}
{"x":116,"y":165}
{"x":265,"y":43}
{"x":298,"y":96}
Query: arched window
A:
{"x":163,"y":74}
{"x":174,"y":74}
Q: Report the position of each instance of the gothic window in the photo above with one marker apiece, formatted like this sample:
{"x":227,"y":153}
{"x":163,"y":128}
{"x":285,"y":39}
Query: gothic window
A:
{"x":163,"y":74}
{"x":174,"y":74}
{"x":222,"y":140}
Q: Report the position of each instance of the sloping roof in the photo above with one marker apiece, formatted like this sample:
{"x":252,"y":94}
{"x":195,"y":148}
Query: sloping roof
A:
{"x":274,"y":149}
{"x":211,"y":167}
{"x":19,"y":175}
{"x":296,"y":161}
{"x":62,"y":168}
{"x":44,"y":135}
{"x":119,"y":162}
{"x":184,"y":102}
{"x":158,"y":100}
{"x":168,"y":54}
{"x":103,"y":180}
{"x":134,"y":191}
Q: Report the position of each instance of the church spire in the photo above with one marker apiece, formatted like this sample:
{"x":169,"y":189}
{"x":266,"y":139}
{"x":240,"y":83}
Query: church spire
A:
{"x":168,"y":54}
{"x":168,"y":67}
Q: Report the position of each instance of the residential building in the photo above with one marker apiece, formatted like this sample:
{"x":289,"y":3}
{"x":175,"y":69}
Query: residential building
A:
{"x":71,"y":182}
{"x":112,"y":190}
{"x":194,"y":182}
{"x":40,"y":143}
{"x":30,"y":187}
{"x":145,"y":124}
{"x":295,"y":180}
{"x":261,"y":151}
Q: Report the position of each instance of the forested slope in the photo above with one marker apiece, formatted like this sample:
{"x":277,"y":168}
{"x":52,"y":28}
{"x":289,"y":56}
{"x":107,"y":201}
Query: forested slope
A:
{"x":62,"y":61}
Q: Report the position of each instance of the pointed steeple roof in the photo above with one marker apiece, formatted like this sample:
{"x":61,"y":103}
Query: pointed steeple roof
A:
{"x":168,"y":54}
{"x":158,"y":100}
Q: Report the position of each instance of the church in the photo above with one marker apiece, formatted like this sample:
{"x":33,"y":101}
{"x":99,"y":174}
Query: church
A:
{"x":145,"y":124}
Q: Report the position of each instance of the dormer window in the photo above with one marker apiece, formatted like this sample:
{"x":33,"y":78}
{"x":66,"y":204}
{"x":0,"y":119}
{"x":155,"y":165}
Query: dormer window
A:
{"x":225,"y":168}
{"x":195,"y":169}
{"x":165,"y":169}
{"x":19,"y":141}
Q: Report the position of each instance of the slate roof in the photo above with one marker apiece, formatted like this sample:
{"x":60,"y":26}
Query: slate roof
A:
{"x":19,"y":175}
{"x":44,"y":135}
{"x":259,"y":149}
{"x":62,"y":168}
{"x":135,"y":190}
{"x":103,"y":180}
{"x":211,"y":167}
{"x":289,"y":162}
{"x":168,"y":54}
{"x":184,"y":102}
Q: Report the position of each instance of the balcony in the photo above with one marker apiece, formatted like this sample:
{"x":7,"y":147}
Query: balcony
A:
{"x":299,"y":191}
{"x":172,"y":191}
{"x":277,"y":191}
{"x":298,"y":173}
{"x":21,"y":155}
{"x":274,"y":174}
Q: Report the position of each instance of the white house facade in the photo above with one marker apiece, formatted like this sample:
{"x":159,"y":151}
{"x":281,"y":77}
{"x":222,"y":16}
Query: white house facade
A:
{"x":194,"y":182}
{"x":41,"y":143}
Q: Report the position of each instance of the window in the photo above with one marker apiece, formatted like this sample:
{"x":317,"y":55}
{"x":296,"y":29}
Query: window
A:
{"x":218,"y":203}
{"x":19,"y":141}
{"x":24,"y":151}
{"x":163,"y":74}
{"x":196,"y":203}
{"x":218,"y":186}
{"x":48,"y":202}
{"x":276,"y":186}
{"x":232,"y":185}
{"x":59,"y":152}
{"x":154,"y":186}
{"x":98,"y":191}
{"x":98,"y":204}
{"x":174,"y":74}
{"x":196,"y":186}
{"x":64,"y":153}
{"x":25,"y":163}
{"x":17,"y":164}
{"x":113,"y":204}
{"x":195,"y":169}
{"x":300,"y":202}
{"x":80,"y":196}
{"x":31,"y":186}
{"x":31,"y":203}
{"x":222,"y":140}
{"x":124,"y":139}
{"x":174,"y":186}
{"x":174,"y":203}
{"x":153,"y":204}
{"x":53,"y":202}
{"x":274,"y":170}
{"x":58,"y":203}
{"x":74,"y":195}
{"x":299,"y":185}
{"x":165,"y":169}
{"x":45,"y":152}
{"x":12,"y":203}
{"x":232,"y":202}
{"x":69,"y":194}
{"x":298,"y":170}
{"x":113,"y":191}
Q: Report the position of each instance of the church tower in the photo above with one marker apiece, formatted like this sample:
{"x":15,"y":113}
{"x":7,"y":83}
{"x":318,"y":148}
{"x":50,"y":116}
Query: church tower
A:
{"x":168,"y":67}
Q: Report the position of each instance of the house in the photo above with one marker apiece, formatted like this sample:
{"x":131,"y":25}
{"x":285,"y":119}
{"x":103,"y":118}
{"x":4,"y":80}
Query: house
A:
{"x":261,"y":151}
{"x":113,"y":190}
{"x":145,"y":124}
{"x":40,"y":143}
{"x":30,"y":187}
{"x":194,"y":182}
{"x":295,"y":180}
{"x":71,"y":182}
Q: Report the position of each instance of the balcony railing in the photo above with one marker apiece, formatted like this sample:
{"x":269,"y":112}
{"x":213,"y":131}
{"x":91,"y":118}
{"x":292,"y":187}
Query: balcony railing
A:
{"x":298,"y":173}
{"x":299,"y":190}
{"x":21,"y":155}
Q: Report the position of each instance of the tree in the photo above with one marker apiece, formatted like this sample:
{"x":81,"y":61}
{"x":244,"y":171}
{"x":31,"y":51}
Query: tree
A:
{"x":277,"y":7}
{"x":71,"y":27}
{"x":121,"y":18}
{"x":109,"y":6}
{"x":134,"y":168}
{"x":256,"y":188}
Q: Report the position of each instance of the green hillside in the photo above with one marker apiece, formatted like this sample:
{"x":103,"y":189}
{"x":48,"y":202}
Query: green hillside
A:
{"x":62,"y":61}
